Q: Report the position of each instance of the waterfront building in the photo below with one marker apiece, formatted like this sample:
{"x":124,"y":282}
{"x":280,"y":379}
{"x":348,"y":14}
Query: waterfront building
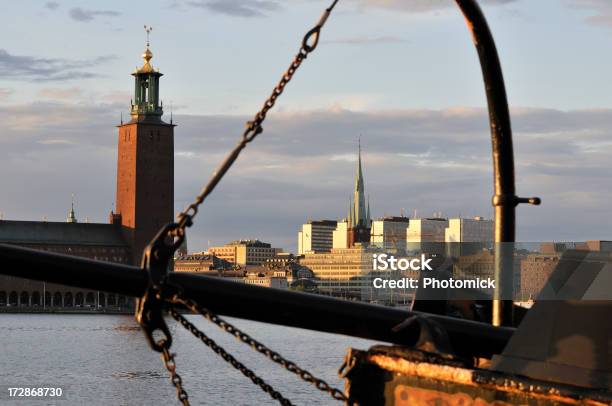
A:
{"x":144,"y":203}
{"x":342,"y":272}
{"x":476,"y":229}
{"x":481,"y":264}
{"x":426,"y":235}
{"x":348,"y":273}
{"x":316,"y":236}
{"x":389,"y":233}
{"x":468,"y":236}
{"x":206,"y":263}
{"x":535,"y":272}
{"x":268,"y":279}
{"x":340,"y":235}
{"x":245,"y":252}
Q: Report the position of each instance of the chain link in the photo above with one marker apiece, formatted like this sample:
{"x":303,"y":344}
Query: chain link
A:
{"x":175,"y":378}
{"x":209,"y":342}
{"x":253,"y":128}
{"x":251,"y":342}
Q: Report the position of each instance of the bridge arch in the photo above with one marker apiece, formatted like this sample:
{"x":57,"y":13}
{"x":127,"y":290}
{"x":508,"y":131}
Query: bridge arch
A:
{"x":68,"y":299}
{"x":35,"y":299}
{"x":13,"y":299}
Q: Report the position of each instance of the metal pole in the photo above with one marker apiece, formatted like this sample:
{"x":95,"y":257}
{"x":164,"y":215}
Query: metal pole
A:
{"x":505,"y":199}
{"x":268,"y":305}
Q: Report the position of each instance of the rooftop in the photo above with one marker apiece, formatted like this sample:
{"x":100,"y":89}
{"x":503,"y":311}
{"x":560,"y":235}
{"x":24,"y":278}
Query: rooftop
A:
{"x":60,"y":233}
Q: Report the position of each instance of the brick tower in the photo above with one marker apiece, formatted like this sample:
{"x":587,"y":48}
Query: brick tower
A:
{"x":145,"y":164}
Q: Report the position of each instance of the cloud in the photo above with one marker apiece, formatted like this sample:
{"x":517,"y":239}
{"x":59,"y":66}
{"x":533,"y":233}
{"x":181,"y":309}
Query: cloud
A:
{"x":5,"y":93}
{"x":302,"y":166}
{"x":420,"y":6}
{"x":52,"y":5}
{"x":602,"y":9}
{"x":25,"y":67}
{"x":82,"y":15}
{"x":61,"y":93}
{"x":238,"y":8}
{"x":367,"y":40}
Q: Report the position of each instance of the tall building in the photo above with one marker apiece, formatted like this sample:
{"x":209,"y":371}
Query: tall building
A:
{"x":426,"y":234}
{"x":476,"y":229}
{"x":145,"y":163}
{"x":468,"y":236}
{"x":340,"y":235}
{"x":144,"y":203}
{"x":316,"y":236}
{"x":245,"y":252}
{"x":389,"y":233}
{"x":358,"y":221}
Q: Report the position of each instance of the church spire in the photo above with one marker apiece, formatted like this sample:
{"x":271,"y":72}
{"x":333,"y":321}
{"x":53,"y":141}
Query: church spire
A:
{"x":71,"y":216}
{"x":359,"y":210}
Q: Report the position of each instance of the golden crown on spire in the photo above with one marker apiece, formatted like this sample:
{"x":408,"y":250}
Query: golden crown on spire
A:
{"x":147,"y":54}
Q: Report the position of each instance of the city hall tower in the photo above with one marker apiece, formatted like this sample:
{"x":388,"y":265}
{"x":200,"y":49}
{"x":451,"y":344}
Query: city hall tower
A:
{"x":145,"y":163}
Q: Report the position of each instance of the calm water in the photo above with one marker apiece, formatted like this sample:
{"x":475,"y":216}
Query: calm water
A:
{"x":104,"y":360}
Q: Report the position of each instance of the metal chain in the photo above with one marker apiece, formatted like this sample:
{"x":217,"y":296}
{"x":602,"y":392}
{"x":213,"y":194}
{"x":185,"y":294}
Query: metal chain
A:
{"x":256,"y":345}
{"x":209,"y":342}
{"x":174,"y":376}
{"x":253,"y":128}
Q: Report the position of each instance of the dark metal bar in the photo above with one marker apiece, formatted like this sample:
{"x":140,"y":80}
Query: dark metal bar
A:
{"x":505,"y":199}
{"x":284,"y":307}
{"x":72,"y":271}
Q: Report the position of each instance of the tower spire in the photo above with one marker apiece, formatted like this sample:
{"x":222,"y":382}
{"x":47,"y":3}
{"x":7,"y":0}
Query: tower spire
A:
{"x":146,"y":101}
{"x":71,"y":216}
{"x":359,"y":193}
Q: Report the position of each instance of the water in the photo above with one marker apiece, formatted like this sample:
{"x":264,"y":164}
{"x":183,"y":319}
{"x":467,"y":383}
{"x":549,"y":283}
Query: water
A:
{"x":104,"y":360}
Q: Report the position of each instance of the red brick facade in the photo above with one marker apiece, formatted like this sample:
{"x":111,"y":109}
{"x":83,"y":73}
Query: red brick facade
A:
{"x":145,"y":181}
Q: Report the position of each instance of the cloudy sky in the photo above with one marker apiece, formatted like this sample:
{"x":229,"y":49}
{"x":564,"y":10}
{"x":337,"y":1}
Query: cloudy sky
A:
{"x":403,"y":74}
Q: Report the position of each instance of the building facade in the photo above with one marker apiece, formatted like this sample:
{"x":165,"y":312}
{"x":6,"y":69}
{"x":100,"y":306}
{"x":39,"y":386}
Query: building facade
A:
{"x":245,"y":252}
{"x":389,"y":233}
{"x":316,"y":236}
{"x":535,"y":272}
{"x":468,"y":236}
{"x":426,"y":235}
{"x":201,"y":263}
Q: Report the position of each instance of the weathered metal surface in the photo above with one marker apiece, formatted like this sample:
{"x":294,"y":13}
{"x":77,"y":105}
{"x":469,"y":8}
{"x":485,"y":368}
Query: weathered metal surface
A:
{"x":399,"y":376}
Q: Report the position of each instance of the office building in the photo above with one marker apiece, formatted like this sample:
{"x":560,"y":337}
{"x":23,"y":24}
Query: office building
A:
{"x":316,"y":236}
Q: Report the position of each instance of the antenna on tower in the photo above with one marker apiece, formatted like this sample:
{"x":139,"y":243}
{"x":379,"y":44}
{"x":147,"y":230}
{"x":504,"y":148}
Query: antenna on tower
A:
{"x":170,"y":111}
{"x":122,"y":118}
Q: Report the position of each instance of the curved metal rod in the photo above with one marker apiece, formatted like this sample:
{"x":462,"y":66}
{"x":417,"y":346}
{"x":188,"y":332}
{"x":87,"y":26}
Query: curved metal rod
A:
{"x":505,"y":199}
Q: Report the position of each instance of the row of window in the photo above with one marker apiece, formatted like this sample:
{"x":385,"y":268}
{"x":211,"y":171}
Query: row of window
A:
{"x":58,"y":299}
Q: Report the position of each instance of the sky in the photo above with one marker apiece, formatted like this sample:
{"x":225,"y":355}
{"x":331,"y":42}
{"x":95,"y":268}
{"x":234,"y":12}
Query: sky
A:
{"x":402,"y":74}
